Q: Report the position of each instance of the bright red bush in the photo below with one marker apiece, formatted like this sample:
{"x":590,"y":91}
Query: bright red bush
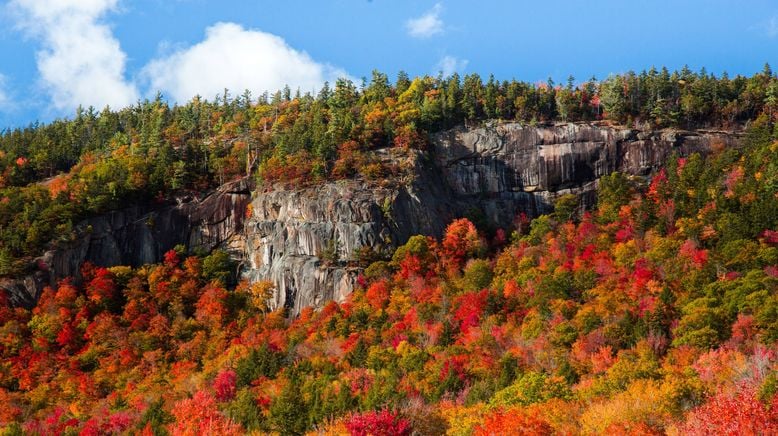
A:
{"x":224,"y":385}
{"x":382,"y":423}
{"x":733,"y":415}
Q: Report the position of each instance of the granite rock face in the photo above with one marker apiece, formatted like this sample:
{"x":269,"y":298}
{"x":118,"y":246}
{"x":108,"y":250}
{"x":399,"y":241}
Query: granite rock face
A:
{"x":139,"y":235}
{"x":524,"y":167}
{"x":496,"y":172}
{"x":289,"y":231}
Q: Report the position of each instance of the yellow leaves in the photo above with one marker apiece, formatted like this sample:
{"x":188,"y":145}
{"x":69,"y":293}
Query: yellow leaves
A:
{"x":689,"y":227}
{"x":121,"y":272}
{"x":261,"y":294}
{"x":643,"y":401}
{"x":404,"y":348}
{"x":74,"y":409}
{"x":462,"y":420}
{"x":333,"y":428}
{"x":532,"y":325}
{"x":376,"y":116}
{"x":399,"y":304}
{"x":624,"y":254}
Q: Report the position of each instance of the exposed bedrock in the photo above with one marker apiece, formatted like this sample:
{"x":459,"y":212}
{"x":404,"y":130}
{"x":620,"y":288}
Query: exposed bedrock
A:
{"x":138,"y":235}
{"x":496,"y":171}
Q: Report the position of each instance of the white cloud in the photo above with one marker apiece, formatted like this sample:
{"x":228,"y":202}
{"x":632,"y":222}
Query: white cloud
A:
{"x":81,"y":62}
{"x":771,"y":26}
{"x":448,"y":65}
{"x":236,"y":58}
{"x":426,"y":25}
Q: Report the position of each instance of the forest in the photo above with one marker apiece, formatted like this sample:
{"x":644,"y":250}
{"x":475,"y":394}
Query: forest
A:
{"x":655,"y":313}
{"x":54,"y":175}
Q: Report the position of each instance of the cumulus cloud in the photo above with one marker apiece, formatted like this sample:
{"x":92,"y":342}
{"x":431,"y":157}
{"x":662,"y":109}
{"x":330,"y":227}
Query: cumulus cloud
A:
{"x":448,"y":65}
{"x":81,"y":62}
{"x":236,"y":58}
{"x":426,"y":25}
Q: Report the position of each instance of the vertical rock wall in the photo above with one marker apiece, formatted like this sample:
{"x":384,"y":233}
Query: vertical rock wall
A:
{"x":496,"y":171}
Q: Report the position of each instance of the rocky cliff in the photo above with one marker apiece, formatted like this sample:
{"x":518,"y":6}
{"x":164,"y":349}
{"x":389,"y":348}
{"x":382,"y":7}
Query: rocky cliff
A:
{"x":138,"y":235}
{"x":496,"y":171}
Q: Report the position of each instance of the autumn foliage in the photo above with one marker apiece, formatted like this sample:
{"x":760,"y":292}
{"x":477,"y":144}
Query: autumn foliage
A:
{"x":656,"y":313}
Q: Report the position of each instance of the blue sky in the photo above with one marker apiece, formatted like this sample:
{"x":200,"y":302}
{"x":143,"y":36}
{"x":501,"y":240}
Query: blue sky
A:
{"x":56,"y":54}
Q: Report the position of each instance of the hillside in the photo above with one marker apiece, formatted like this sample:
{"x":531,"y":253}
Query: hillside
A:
{"x":476,"y":258}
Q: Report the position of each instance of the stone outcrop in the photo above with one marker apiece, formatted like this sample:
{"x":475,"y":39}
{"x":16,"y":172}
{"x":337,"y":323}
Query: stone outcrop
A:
{"x":524,"y":167}
{"x":138,"y":235}
{"x":290,"y":230}
{"x":496,"y":171}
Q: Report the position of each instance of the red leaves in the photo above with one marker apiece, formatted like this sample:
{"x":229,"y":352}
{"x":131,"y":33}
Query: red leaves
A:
{"x":770,"y":237}
{"x":602,"y":359}
{"x":682,"y":161}
{"x":350,"y":343}
{"x":410,"y":266}
{"x":732,"y":180}
{"x":66,"y":335}
{"x":659,"y":189}
{"x":224,"y":385}
{"x":359,"y":381}
{"x":101,"y":288}
{"x":470,"y":307}
{"x":171,"y":258}
{"x":689,"y":250}
{"x":382,"y":423}
{"x":739,"y":414}
{"x":454,"y":366}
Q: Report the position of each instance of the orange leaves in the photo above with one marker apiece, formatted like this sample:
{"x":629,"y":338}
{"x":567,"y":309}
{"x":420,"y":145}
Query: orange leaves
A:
{"x":377,"y":294}
{"x":659,"y":188}
{"x":514,"y":421}
{"x":407,"y":137}
{"x":210,"y":308}
{"x":602,"y":359}
{"x":200,"y":415}
{"x":294,"y":167}
{"x":511,"y":289}
{"x":460,"y":240}
{"x":58,"y":185}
